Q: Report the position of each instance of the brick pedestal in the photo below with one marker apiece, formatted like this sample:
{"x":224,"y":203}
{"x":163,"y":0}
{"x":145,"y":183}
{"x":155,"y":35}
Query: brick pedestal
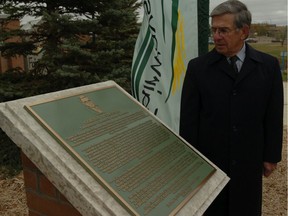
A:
{"x":42,"y":197}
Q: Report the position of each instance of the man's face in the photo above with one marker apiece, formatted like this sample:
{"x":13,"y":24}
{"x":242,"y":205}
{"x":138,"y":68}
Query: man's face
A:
{"x":228,"y":39}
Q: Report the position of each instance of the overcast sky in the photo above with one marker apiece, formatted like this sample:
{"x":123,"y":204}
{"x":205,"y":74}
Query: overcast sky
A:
{"x":263,"y":11}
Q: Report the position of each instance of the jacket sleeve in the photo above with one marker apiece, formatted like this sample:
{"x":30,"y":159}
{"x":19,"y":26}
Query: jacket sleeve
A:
{"x":190,"y":106}
{"x":273,"y":123}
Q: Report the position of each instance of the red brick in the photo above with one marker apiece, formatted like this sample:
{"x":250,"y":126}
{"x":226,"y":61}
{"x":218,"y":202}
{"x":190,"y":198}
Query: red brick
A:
{"x":33,"y":213}
{"x":42,"y":197}
{"x":27,"y":163}
{"x":46,"y":186}
{"x":48,"y":206}
{"x":16,"y":61}
{"x":30,"y":179}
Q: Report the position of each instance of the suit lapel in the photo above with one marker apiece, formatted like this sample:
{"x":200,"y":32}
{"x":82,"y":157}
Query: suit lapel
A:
{"x":247,"y":68}
{"x":227,"y":68}
{"x":249,"y":65}
{"x":223,"y":64}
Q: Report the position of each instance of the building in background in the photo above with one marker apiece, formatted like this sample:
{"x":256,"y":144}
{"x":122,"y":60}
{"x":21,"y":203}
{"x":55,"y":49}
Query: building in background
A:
{"x":7,"y":63}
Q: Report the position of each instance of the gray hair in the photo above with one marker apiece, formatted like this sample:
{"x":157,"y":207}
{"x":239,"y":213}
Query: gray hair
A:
{"x":242,"y":14}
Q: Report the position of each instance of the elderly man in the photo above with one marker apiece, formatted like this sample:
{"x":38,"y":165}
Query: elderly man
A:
{"x":232,"y":111}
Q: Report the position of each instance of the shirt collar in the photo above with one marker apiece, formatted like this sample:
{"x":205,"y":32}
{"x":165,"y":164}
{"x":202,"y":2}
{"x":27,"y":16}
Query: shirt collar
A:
{"x":241,"y":54}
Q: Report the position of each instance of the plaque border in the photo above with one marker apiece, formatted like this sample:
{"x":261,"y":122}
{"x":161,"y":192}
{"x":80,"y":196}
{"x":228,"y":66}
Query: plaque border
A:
{"x":91,"y":171}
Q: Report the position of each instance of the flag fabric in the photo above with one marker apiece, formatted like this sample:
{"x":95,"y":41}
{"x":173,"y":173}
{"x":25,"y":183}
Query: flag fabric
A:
{"x":168,"y":39}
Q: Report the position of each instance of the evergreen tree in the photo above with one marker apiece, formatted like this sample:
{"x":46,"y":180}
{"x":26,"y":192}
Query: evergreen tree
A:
{"x":115,"y":43}
{"x":83,"y":41}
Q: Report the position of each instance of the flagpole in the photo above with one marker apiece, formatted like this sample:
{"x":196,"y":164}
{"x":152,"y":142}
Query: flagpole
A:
{"x":203,"y":26}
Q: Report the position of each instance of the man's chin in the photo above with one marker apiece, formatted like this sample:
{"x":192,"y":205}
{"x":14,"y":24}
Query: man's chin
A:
{"x":221,"y":49}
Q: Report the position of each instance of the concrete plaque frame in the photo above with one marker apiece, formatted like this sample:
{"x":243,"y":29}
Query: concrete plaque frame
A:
{"x":81,"y":182}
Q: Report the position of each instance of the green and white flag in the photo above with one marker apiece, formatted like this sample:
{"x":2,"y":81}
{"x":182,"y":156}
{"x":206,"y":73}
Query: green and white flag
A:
{"x":168,"y":39}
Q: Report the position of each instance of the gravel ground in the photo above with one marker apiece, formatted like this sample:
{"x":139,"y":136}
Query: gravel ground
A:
{"x":275,"y":187}
{"x":13,"y":197}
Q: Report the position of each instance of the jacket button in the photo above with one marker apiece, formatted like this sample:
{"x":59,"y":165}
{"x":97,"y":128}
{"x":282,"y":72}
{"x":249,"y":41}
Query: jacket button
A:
{"x":234,"y":92}
{"x":234,"y":128}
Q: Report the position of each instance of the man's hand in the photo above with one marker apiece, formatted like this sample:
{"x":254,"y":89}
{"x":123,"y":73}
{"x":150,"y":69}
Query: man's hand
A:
{"x":268,"y":168}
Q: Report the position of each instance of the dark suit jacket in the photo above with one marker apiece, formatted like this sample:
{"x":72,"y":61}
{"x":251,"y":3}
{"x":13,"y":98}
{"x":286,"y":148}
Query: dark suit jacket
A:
{"x":235,"y":121}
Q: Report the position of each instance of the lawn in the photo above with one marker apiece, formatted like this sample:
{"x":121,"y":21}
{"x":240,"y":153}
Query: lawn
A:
{"x":274,"y":49}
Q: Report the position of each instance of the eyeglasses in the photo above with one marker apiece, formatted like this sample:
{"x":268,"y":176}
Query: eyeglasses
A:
{"x":222,"y":31}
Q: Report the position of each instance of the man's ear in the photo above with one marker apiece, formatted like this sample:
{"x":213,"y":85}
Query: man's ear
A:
{"x":245,"y":31}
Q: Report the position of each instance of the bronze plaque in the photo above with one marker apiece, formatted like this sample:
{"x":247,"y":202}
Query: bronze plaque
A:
{"x":147,"y":168}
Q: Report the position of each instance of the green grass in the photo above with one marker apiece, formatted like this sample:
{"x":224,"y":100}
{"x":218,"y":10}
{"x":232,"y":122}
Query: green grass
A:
{"x":273,"y":49}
